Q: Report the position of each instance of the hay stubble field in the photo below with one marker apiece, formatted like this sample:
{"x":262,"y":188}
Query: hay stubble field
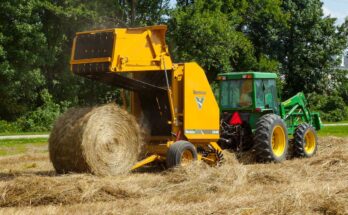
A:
{"x":319,"y":185}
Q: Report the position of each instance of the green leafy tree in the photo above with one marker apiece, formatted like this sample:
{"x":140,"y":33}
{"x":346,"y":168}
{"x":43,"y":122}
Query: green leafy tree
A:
{"x":290,"y":37}
{"x":202,"y":32}
{"x":22,"y":54}
{"x":308,"y":47}
{"x":35,"y":46}
{"x":246,"y":39}
{"x":341,"y":84}
{"x":331,"y":106}
{"x":42,"y":118}
{"x":263,"y":22}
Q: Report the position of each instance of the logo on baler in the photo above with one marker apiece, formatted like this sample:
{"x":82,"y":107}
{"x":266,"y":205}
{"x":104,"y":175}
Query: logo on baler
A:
{"x":199,"y":101}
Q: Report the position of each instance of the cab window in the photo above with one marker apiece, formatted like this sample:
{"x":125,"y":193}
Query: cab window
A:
{"x":224,"y":87}
{"x":236,"y":93}
{"x":266,"y":94}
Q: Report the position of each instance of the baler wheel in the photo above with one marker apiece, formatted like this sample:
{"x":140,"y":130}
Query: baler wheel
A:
{"x":305,"y":141}
{"x":270,"y":139}
{"x":181,"y":153}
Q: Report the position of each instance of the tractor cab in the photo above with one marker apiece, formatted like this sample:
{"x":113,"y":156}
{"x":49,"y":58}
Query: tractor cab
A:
{"x":248,"y":92}
{"x":243,"y":98}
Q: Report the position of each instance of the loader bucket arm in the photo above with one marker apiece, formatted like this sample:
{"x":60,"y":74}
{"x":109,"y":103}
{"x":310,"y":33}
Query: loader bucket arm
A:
{"x":295,"y":110}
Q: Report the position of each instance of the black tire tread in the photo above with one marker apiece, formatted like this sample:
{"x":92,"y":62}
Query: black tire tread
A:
{"x":262,"y":149}
{"x":298,"y":143}
{"x":174,"y":152}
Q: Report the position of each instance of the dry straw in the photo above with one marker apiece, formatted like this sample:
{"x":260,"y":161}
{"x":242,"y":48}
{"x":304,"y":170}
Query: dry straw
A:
{"x":317,"y":185}
{"x":104,"y":140}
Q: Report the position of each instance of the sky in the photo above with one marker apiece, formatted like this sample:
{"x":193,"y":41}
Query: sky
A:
{"x":334,"y":8}
{"x":172,"y":3}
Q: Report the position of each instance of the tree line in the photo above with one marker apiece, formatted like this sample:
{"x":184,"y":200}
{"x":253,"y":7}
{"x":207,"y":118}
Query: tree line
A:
{"x":290,"y":37}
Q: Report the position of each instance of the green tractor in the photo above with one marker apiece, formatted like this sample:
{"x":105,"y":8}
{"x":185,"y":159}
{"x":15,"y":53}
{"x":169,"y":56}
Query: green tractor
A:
{"x":253,"y":118}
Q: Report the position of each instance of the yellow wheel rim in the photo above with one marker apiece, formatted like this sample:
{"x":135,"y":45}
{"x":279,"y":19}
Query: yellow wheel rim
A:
{"x":310,"y":143}
{"x":278,"y":141}
{"x":186,"y":158}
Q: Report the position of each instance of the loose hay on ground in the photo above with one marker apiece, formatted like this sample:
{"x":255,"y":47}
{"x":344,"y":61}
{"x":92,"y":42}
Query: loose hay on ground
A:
{"x":103,"y":140}
{"x":300,"y":186}
{"x":35,"y":190}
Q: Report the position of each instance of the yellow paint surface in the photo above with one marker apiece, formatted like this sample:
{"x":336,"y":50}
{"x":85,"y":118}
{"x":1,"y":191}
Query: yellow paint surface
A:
{"x":135,"y":50}
{"x":201,"y":111}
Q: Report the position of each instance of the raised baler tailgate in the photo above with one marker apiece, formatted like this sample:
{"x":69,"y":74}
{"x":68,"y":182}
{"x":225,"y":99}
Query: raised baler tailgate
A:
{"x":92,"y":52}
{"x":96,"y":45}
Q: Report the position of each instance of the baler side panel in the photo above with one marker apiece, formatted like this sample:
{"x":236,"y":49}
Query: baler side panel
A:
{"x":201,"y":111}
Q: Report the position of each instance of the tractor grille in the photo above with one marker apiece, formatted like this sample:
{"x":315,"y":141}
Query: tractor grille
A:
{"x":94,"y":45}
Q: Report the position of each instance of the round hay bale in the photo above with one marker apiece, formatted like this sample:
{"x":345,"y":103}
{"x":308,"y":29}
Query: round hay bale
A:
{"x":104,"y":140}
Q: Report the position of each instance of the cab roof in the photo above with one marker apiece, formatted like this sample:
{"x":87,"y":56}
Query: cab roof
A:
{"x":241,"y":75}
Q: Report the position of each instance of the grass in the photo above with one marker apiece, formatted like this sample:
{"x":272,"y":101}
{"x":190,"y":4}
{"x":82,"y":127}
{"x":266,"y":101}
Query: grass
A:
{"x":20,"y":146}
{"x":23,"y":133}
{"x":344,"y":121}
{"x":340,"y":131}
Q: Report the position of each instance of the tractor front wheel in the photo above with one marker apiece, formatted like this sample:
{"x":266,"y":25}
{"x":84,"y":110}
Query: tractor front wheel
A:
{"x":305,"y":141}
{"x":270,"y":139}
{"x":181,"y":153}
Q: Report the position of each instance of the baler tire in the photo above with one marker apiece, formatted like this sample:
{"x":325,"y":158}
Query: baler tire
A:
{"x":176,"y":151}
{"x":264,"y":148}
{"x":304,"y":133}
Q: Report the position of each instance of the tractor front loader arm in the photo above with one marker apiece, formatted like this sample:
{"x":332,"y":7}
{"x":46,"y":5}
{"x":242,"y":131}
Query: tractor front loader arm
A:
{"x":295,"y":110}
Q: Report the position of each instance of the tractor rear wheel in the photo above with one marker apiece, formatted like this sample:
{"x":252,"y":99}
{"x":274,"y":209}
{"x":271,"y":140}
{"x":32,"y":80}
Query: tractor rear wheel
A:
{"x":305,"y":141}
{"x":181,"y":153}
{"x":270,"y":139}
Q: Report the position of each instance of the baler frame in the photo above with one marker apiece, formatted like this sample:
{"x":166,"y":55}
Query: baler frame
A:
{"x":139,"y":61}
